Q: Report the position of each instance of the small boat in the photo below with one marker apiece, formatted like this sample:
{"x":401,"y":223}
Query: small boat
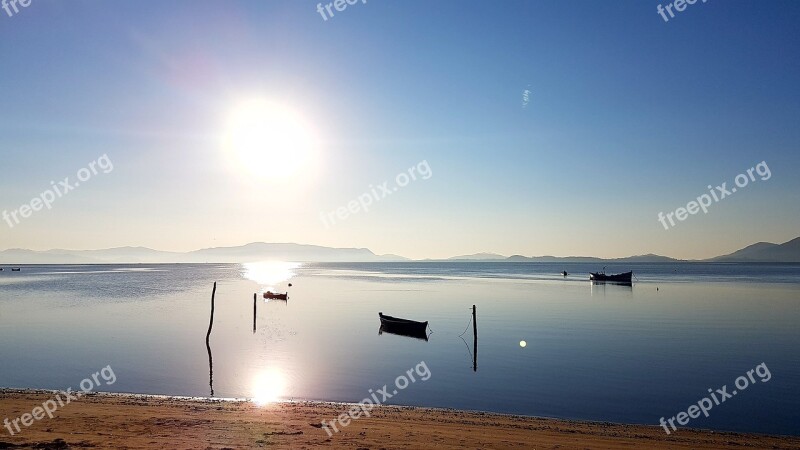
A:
{"x":276,"y":295}
{"x":15,"y":270}
{"x":616,"y":278}
{"x":564,"y":273}
{"x":395,"y":325}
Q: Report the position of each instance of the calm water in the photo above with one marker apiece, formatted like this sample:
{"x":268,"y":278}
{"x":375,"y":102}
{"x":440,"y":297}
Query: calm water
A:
{"x":609,"y":353}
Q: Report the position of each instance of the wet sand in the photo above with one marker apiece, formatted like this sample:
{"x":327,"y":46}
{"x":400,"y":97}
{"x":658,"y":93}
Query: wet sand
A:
{"x":144,"y":422}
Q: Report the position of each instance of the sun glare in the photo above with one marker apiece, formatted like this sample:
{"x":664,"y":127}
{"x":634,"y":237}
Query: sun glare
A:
{"x":268,"y":139}
{"x":269,"y":273}
{"x":268,"y":387}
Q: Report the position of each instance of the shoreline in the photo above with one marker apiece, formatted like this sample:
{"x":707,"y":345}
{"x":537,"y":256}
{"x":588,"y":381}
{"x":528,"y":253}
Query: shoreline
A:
{"x":305,"y":402}
{"x":140,"y":421}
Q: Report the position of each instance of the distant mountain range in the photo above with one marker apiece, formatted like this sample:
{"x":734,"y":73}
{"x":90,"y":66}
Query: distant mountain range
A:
{"x":479,"y":257}
{"x":765,"y":252}
{"x":257,"y":251}
{"x":649,"y":258}
{"x":260,"y":251}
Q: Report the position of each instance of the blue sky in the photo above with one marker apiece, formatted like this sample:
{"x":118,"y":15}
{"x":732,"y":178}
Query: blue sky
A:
{"x":628,"y":116}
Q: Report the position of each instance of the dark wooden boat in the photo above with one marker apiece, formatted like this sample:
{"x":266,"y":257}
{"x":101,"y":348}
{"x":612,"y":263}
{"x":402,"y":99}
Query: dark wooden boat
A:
{"x":405,"y":327}
{"x":15,"y":270}
{"x":616,"y":278}
{"x":276,"y":295}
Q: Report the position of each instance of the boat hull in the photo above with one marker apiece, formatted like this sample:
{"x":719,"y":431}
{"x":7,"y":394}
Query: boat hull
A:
{"x":617,"y":278}
{"x":403,"y":327}
{"x":276,"y":296}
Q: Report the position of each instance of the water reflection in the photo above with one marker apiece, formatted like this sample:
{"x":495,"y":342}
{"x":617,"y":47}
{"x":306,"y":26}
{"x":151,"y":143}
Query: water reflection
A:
{"x":270,"y":273}
{"x":416,"y":334}
{"x":210,"y":369}
{"x":268,"y":386}
{"x":600,"y":287}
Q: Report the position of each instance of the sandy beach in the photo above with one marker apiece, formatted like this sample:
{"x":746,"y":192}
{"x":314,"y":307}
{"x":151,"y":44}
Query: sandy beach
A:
{"x":143,"y":422}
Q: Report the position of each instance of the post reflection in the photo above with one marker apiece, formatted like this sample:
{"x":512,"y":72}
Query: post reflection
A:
{"x":210,"y":369}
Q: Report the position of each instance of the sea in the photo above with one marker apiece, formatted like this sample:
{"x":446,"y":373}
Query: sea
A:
{"x":541,"y":344}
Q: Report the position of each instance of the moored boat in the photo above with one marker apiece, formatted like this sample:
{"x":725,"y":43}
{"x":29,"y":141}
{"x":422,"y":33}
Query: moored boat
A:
{"x":15,"y":270}
{"x":276,"y":295}
{"x":615,"y":278}
{"x":396,"y":325}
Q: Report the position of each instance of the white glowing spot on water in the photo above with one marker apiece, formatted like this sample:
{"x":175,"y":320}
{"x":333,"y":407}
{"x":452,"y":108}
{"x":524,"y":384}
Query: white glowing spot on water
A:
{"x":523,"y":344}
{"x":268,"y":387}
{"x":270,"y":273}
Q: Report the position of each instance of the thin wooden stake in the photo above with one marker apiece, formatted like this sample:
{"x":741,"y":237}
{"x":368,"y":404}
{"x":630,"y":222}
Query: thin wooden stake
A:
{"x":211,"y":324}
{"x":208,"y":343}
{"x":475,"y":334}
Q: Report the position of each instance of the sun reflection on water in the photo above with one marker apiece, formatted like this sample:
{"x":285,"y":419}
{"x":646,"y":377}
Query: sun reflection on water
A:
{"x":268,"y":387}
{"x":269,"y":273}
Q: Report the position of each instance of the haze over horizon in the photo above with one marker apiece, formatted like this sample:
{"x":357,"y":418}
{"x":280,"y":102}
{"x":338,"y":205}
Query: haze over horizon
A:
{"x":625,"y":117}
{"x":260,"y":251}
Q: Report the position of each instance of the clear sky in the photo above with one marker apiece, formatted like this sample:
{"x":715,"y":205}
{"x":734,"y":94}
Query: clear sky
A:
{"x":626,"y":116}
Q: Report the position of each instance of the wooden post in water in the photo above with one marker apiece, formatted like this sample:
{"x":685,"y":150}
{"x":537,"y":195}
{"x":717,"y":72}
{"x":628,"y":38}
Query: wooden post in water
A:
{"x":208,"y":343}
{"x":254,"y":313}
{"x":475,"y":343}
{"x":211,"y":324}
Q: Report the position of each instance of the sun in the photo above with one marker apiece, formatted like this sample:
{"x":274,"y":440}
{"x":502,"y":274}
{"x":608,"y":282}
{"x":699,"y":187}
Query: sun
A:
{"x":268,"y":139}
